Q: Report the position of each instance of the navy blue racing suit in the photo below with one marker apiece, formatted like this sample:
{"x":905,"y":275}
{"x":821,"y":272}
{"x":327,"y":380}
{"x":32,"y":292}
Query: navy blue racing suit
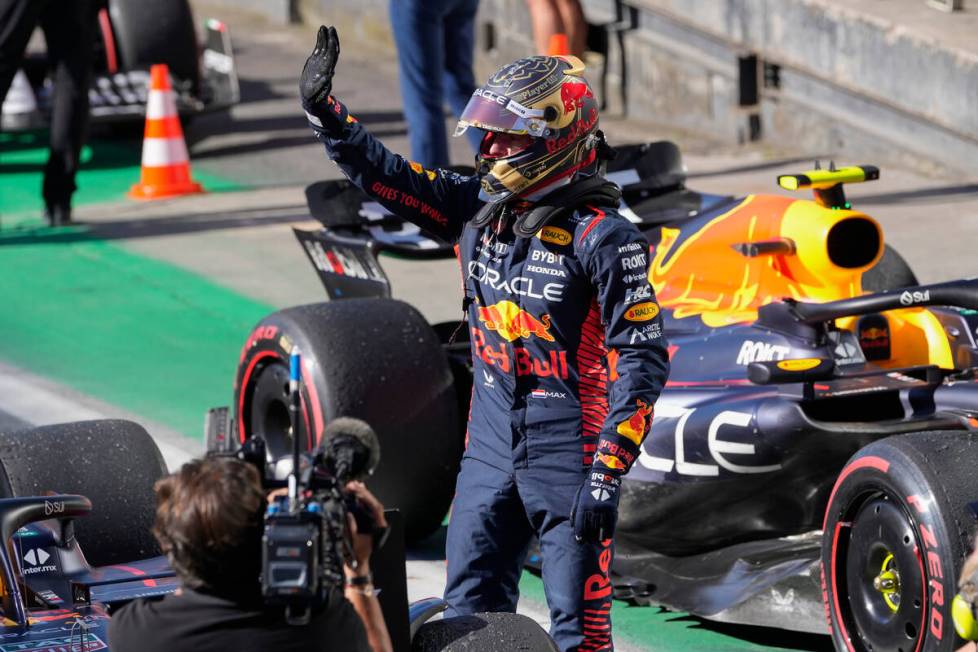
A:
{"x":568,"y":360}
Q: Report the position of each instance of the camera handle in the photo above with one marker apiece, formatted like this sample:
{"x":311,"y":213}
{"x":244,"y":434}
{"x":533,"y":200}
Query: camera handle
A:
{"x":295,"y":399}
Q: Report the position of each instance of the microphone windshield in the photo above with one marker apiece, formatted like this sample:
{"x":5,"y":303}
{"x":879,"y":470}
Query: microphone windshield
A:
{"x":353,"y":444}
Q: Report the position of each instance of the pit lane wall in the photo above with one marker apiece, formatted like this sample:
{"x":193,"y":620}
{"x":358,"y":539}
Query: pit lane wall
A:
{"x":820,"y":76}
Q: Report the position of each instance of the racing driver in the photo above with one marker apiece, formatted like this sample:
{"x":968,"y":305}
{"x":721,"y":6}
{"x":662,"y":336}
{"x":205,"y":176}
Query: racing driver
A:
{"x":567,"y":345}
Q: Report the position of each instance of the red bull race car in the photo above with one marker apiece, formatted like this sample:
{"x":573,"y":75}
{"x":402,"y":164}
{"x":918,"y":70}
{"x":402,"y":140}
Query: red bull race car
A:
{"x":132,"y":36}
{"x":804,"y":468}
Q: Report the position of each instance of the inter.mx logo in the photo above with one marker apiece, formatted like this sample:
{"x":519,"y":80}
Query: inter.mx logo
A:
{"x":36,"y":558}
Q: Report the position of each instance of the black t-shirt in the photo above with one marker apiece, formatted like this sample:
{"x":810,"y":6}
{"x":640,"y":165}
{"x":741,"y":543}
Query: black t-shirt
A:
{"x":203,"y":623}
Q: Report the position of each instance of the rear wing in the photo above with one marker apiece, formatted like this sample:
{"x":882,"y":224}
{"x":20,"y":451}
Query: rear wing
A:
{"x":356,"y":229}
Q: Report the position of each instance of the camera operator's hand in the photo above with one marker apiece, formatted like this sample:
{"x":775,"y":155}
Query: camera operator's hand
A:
{"x":316,"y":81}
{"x":363,"y":543}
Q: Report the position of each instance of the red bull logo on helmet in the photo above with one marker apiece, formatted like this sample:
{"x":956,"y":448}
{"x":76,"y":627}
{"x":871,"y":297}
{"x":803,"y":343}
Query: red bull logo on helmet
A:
{"x":512,"y":322}
{"x":635,"y":426}
{"x":572,"y":94}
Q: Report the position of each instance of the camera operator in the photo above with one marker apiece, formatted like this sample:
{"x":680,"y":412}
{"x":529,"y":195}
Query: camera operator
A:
{"x":209,"y":520}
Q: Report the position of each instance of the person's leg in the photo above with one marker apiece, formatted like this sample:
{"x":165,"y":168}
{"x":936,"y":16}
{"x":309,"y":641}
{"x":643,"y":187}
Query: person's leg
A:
{"x":575,"y":26}
{"x":69,"y":29}
{"x":17,"y":21}
{"x":459,"y":30}
{"x":575,"y":575}
{"x":546,"y":20}
{"x":488,"y":536}
{"x":421,"y":58}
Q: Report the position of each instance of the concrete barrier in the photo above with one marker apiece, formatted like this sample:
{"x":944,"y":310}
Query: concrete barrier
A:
{"x":817,"y":75}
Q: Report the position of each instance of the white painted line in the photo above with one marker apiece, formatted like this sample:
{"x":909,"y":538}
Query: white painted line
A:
{"x":39,"y":401}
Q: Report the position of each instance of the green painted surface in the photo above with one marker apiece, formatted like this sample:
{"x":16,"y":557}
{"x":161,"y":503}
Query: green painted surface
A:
{"x":132,"y":331}
{"x":108,"y":171}
{"x":142,"y":334}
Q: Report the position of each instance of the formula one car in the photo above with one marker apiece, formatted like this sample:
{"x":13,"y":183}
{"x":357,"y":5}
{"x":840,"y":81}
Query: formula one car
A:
{"x":804,"y":462}
{"x":77,"y":544}
{"x":132,"y":36}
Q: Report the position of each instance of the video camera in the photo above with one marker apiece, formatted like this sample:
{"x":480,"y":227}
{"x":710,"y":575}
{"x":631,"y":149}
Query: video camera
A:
{"x":304,"y":538}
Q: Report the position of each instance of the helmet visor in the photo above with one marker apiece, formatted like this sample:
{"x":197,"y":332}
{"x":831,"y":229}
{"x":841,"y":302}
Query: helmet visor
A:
{"x":492,"y":112}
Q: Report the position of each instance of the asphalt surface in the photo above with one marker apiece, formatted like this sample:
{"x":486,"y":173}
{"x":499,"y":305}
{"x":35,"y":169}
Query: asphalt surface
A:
{"x":240,"y":239}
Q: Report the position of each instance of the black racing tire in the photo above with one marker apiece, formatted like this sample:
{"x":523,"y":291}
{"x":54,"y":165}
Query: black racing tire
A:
{"x":373,"y":359}
{"x":114,"y":463}
{"x":899,"y":513}
{"x":161,"y":31}
{"x":890,"y":272}
{"x":486,"y":632}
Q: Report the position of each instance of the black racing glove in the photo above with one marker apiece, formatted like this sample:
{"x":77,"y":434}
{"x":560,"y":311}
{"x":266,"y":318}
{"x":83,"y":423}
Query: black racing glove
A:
{"x":595,"y":510}
{"x":316,"y":81}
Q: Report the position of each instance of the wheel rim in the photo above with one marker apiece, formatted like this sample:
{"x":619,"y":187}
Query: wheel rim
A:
{"x":880,"y":581}
{"x":269,"y":413}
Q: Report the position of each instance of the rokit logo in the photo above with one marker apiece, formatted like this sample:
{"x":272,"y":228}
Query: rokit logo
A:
{"x":635,"y":261}
{"x":909,"y":298}
{"x":760,"y":352}
{"x":36,"y":558}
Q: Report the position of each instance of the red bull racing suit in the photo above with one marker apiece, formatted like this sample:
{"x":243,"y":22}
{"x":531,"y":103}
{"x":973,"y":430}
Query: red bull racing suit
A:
{"x":568,"y":360}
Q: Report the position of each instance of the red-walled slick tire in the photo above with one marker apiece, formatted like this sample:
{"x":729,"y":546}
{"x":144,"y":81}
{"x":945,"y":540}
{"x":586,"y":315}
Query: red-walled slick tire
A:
{"x":374,"y":359}
{"x":897,"y":529}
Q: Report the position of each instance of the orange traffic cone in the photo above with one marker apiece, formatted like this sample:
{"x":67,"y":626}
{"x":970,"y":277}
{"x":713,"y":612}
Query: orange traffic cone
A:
{"x":558,"y":45}
{"x":166,"y":165}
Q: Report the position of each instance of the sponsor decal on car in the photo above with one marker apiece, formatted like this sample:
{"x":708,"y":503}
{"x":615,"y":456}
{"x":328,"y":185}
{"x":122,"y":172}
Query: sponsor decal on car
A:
{"x":719,"y":448}
{"x":798,"y":364}
{"x":555,"y":235}
{"x":909,"y":298}
{"x":751,"y":351}
{"x":642,"y":312}
{"x":36,"y":562}
{"x":77,"y":643}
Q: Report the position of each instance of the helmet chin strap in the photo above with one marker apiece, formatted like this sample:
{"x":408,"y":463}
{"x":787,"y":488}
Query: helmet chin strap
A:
{"x":554,"y":200}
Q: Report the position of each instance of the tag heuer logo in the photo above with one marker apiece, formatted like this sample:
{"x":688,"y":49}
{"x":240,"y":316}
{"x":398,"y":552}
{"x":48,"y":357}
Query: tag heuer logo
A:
{"x":909,"y":298}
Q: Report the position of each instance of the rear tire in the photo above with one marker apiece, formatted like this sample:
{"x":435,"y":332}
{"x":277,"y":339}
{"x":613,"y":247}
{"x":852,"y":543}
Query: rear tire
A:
{"x":897,"y":530}
{"x":374,"y":359}
{"x":113,"y":463}
{"x":889,"y":273}
{"x":161,"y":31}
